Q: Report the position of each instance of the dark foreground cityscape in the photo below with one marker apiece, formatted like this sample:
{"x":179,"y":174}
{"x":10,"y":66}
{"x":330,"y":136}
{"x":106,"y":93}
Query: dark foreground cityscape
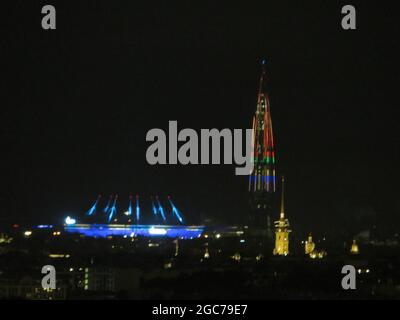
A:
{"x":226,"y":265}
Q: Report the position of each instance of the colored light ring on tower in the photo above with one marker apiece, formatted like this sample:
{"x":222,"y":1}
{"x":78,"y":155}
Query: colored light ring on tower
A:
{"x":106,"y":230}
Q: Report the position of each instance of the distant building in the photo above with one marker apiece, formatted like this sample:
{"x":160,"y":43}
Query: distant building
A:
{"x":309,"y":246}
{"x":30,"y":289}
{"x":108,"y":279}
{"x":311,"y":250}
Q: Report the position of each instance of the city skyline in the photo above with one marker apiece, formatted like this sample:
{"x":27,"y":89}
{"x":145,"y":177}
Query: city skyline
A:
{"x":83,"y":122}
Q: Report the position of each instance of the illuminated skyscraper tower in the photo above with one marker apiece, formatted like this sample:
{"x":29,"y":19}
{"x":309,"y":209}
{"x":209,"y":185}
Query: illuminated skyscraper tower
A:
{"x":262,"y":181}
{"x":282,"y":229}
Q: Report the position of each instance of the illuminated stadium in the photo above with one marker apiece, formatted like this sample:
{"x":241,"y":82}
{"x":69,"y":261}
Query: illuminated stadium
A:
{"x":155,"y":220}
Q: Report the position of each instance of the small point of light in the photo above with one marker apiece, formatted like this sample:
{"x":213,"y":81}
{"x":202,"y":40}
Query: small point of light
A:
{"x":126,"y":213}
{"x":242,"y":241}
{"x":58,"y":255}
{"x":153,"y":244}
{"x":27,"y":233}
{"x":218,"y":235}
{"x":44,"y":226}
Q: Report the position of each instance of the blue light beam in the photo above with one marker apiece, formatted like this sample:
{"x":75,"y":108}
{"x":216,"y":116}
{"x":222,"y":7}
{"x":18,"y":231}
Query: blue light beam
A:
{"x":161,"y":209}
{"x":175,"y":210}
{"x":113,"y":209}
{"x":130,"y":206}
{"x":153,"y":207}
{"x":92,"y":210}
{"x":137,"y":209}
{"x":107,"y":207}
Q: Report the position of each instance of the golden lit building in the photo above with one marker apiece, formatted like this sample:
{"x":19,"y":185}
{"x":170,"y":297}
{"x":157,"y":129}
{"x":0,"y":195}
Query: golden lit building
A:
{"x":282,"y":229}
{"x":309,"y":246}
{"x":354,"y":248}
{"x":311,"y":250}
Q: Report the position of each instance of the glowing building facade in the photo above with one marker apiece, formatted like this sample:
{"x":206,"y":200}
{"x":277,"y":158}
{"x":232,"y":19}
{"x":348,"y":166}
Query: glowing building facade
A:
{"x":354,"y":248}
{"x":309,"y":246}
{"x":282,"y":229}
{"x":262,"y":181}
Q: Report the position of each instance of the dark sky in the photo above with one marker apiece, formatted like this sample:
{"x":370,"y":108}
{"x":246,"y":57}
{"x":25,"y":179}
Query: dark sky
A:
{"x":77,"y":103}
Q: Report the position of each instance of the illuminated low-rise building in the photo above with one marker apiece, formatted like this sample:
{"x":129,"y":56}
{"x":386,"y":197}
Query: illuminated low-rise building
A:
{"x":311,"y":250}
{"x":309,"y":246}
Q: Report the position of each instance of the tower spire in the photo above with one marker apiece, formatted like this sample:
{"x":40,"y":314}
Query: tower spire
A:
{"x":282,"y":228}
{"x":263,"y":175}
{"x":282,"y":215}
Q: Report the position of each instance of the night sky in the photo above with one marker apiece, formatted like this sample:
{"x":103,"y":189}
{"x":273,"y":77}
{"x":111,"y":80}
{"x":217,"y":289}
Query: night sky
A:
{"x":77,"y":102}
